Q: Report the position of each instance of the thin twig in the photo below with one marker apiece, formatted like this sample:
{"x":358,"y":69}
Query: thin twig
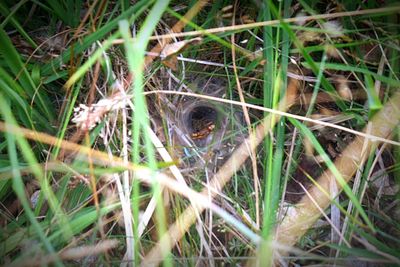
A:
{"x":253,"y":155}
{"x":282,"y":113}
{"x":393,"y":9}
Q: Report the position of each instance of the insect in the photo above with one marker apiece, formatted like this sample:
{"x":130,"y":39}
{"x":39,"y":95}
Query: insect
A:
{"x":208,"y":128}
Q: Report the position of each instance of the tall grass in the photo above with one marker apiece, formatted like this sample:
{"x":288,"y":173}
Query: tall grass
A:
{"x":127,"y":190}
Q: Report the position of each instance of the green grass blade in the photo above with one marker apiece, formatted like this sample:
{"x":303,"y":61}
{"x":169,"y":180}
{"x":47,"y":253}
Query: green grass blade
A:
{"x":331,"y":166}
{"x":26,"y":151}
{"x":134,"y":11}
{"x":346,"y":67}
{"x":13,"y":60}
{"x":9,"y":16}
{"x":135,"y":52}
{"x":18,"y":185}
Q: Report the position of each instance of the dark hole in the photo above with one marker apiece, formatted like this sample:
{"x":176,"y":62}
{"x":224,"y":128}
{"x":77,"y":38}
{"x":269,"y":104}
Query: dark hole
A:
{"x":200,"y":117}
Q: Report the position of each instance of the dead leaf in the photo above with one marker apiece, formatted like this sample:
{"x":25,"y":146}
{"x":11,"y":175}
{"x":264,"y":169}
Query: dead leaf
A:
{"x":170,"y":51}
{"x":175,"y":48}
{"x":343,"y":89}
{"x":171,"y":62}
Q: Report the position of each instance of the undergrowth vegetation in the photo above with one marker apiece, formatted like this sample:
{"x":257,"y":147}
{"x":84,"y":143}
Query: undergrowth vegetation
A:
{"x":199,"y":133}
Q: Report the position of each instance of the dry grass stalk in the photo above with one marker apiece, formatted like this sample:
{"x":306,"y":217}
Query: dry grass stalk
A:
{"x":306,"y":212}
{"x":273,"y":22}
{"x":253,"y":154}
{"x":279,"y":113}
{"x":74,"y":253}
{"x":144,"y":174}
{"x":88,"y":117}
{"x":84,"y":251}
{"x":94,"y":117}
{"x":223,"y":176}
